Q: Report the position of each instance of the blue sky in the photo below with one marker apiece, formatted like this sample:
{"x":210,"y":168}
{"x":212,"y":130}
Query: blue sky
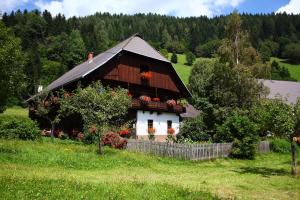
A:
{"x":181,"y":8}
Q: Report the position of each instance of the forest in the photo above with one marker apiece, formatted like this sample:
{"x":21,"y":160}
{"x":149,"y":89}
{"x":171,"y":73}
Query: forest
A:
{"x":43,"y":46}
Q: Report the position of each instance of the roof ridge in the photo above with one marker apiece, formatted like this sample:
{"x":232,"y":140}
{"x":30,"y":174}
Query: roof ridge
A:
{"x":129,"y":39}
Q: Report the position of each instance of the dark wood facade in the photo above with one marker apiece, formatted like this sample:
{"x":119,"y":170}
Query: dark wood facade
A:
{"x":124,"y":70}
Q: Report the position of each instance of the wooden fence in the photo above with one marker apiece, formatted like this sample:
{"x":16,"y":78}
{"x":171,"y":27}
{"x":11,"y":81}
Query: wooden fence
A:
{"x":187,"y":151}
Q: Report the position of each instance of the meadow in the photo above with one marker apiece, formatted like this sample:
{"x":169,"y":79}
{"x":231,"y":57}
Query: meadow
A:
{"x":66,"y":169}
{"x":184,"y":70}
{"x":294,"y":69}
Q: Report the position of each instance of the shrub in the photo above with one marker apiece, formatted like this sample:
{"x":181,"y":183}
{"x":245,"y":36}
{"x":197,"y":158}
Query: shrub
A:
{"x":280,"y":145}
{"x":19,"y":128}
{"x":114,"y":140}
{"x":240,"y":130}
{"x":174,"y":58}
{"x":190,"y":58}
{"x":194,"y":130}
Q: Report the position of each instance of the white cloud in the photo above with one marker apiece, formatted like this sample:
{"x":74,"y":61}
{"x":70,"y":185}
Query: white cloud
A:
{"x":293,"y":7}
{"x":181,"y":8}
{"x":9,"y":5}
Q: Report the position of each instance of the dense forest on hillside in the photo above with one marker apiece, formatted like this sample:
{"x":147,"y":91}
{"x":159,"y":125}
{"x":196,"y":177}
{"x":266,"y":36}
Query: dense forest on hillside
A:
{"x":54,"y":44}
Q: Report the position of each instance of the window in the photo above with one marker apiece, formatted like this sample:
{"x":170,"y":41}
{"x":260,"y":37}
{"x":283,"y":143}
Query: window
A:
{"x":169,"y":123}
{"x":150,"y":123}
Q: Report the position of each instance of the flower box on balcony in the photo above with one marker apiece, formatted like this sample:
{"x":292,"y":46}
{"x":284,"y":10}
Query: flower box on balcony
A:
{"x":171,"y":103}
{"x":156,"y":99}
{"x":146,"y":75}
{"x":145,"y":99}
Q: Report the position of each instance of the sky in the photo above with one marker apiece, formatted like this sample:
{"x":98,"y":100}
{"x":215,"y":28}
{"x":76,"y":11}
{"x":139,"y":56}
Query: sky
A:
{"x":179,"y":8}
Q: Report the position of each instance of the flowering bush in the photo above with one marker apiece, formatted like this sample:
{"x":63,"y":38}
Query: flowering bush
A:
{"x":156,"y":99}
{"x":114,"y":140}
{"x":145,"y":99}
{"x":151,"y":132}
{"x":146,"y":75}
{"x":171,"y":131}
{"x":171,"y":103}
{"x":124,"y":132}
{"x":80,"y":136}
{"x":92,"y":129}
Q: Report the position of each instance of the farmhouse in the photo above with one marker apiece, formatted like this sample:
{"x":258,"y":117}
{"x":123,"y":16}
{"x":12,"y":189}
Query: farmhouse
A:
{"x":150,"y":79}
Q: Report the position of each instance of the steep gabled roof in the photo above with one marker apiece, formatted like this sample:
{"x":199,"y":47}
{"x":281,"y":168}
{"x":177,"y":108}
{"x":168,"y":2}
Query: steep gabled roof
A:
{"x":134,"y":44}
{"x":287,"y":89}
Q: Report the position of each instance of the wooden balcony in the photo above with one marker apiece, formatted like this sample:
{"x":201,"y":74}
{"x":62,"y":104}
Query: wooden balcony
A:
{"x":157,"y":106}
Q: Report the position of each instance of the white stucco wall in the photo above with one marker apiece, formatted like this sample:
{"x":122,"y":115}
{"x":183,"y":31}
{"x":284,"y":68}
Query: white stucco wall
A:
{"x":159,"y":122}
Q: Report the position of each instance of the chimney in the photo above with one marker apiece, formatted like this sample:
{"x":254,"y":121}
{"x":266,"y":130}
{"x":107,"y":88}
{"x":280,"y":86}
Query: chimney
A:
{"x":90,"y":57}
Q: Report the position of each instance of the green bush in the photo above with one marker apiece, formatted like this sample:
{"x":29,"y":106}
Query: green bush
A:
{"x":242,"y":132}
{"x":280,"y":145}
{"x":14,"y":127}
{"x":193,"y":130}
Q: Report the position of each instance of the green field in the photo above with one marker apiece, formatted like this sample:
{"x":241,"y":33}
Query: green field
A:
{"x":294,"y":69}
{"x":69,"y":170}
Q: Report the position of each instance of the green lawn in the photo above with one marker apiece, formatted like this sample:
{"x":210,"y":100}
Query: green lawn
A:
{"x":69,"y":170}
{"x":294,"y":69}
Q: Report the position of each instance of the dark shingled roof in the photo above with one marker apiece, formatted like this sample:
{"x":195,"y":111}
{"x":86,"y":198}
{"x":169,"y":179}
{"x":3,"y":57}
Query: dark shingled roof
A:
{"x":134,"y":44}
{"x":287,"y":89}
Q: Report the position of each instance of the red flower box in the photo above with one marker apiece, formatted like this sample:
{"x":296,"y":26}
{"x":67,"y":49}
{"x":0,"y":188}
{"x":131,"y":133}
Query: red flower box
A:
{"x":124,"y":132}
{"x":151,"y":131}
{"x":156,"y":99}
{"x":145,"y":99}
{"x":171,"y":103}
{"x":146,"y":75}
{"x":171,"y":131}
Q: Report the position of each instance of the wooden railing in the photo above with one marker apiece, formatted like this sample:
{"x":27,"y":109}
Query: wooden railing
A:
{"x":157,"y":106}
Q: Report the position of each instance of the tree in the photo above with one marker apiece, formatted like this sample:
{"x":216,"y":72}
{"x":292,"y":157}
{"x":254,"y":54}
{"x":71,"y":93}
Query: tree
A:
{"x":165,"y":53}
{"x":208,"y":49}
{"x":47,"y":106}
{"x":240,"y":130}
{"x":12,"y":61}
{"x":50,"y":71}
{"x":237,"y":51}
{"x":292,"y":52}
{"x":190,"y":58}
{"x":75,"y":50}
{"x":280,"y":119}
{"x":69,"y":50}
{"x":193,"y":130}
{"x":174,"y":58}
{"x":98,"y":106}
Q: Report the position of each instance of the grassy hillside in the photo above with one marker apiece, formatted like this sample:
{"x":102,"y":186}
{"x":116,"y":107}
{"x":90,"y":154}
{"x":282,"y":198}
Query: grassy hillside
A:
{"x":183,"y":70}
{"x":294,"y":69}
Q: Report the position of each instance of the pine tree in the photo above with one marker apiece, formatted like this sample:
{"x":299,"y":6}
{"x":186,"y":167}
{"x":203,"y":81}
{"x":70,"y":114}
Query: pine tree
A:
{"x":174,"y":58}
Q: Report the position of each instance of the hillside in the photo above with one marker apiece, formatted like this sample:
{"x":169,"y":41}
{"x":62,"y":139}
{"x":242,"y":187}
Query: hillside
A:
{"x":184,"y":70}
